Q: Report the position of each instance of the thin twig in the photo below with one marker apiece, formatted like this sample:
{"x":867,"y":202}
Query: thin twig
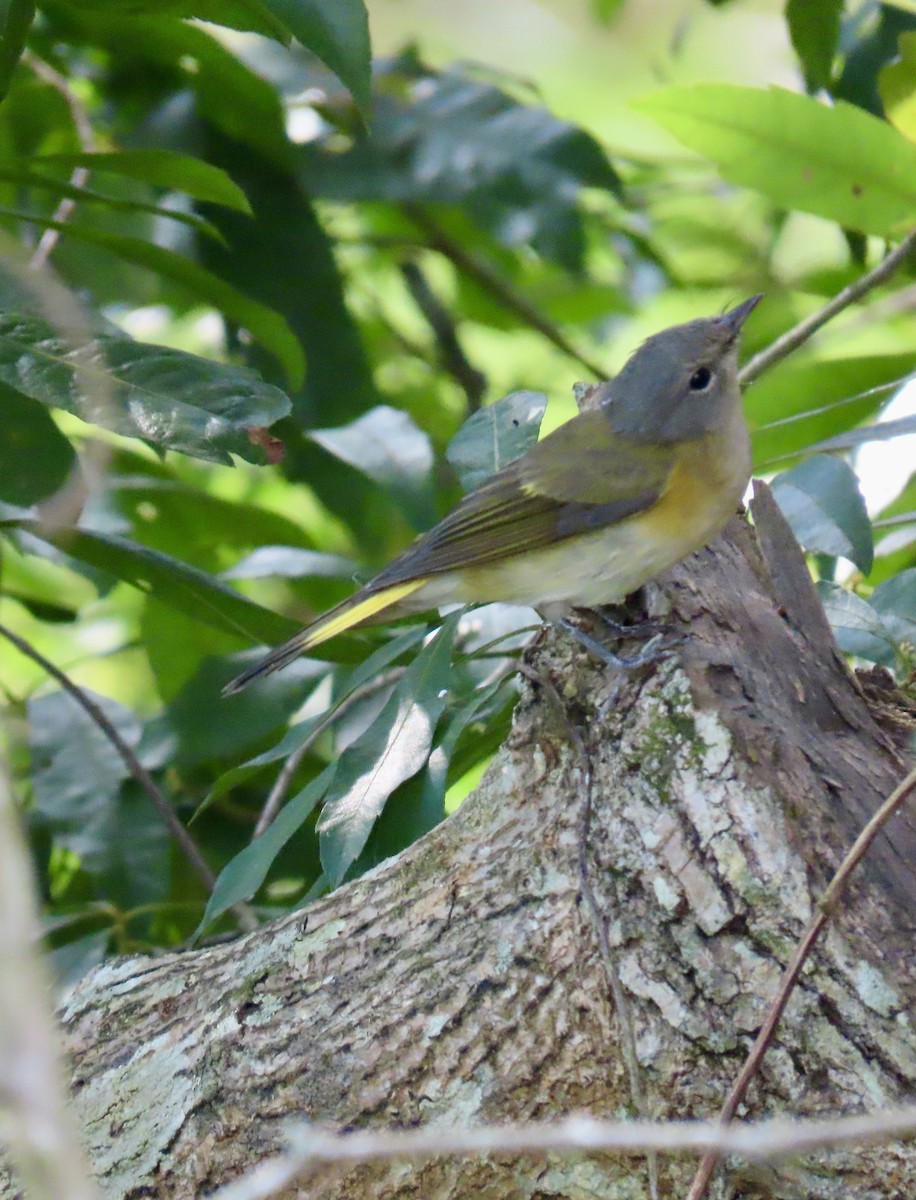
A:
{"x":288,"y":770}
{"x":36,"y":1127}
{"x":80,"y":175}
{"x":491,"y":282}
{"x":138,"y":772}
{"x":597,"y":917}
{"x":795,"y":337}
{"x":311,"y":1147}
{"x":826,"y":907}
{"x":451,"y":353}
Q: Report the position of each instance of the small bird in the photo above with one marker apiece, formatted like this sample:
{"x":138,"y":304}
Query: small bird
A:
{"x":650,"y":472}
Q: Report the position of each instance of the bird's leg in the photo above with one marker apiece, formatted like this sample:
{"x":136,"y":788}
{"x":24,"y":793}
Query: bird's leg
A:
{"x":655,"y":649}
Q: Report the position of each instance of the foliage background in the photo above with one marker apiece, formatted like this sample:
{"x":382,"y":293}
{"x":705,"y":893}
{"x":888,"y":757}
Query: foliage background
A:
{"x":519,"y":196}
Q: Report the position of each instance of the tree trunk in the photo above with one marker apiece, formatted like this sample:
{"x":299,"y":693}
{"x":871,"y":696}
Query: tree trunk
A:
{"x":465,"y":981}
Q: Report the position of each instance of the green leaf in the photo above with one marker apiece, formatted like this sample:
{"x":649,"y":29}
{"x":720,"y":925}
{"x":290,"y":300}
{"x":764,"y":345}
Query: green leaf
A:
{"x":799,"y":404}
{"x":35,"y":457}
{"x":243,"y":875}
{"x":388,"y":447}
{"x":17,"y":21}
{"x":294,"y":737}
{"x":172,"y":399}
{"x":897,"y":87}
{"x":338,"y":33}
{"x":264,"y":325}
{"x":858,"y":629}
{"x":250,"y":16}
{"x":895,"y":603}
{"x":840,"y":162}
{"x":495,"y":436}
{"x":162,"y":168}
{"x":77,"y":777}
{"x":814,"y":27}
{"x":881,"y":431}
{"x":173,"y":582}
{"x":393,"y":749}
{"x":822,"y":503}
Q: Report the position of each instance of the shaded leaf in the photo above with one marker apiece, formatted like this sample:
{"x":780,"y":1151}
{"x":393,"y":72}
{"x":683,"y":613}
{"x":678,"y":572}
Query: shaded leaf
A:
{"x":173,"y":399}
{"x":840,"y":162}
{"x":393,"y":749}
{"x":814,"y":27}
{"x":243,"y":875}
{"x":162,"y":168}
{"x":895,"y":602}
{"x":388,"y":447}
{"x":35,"y":457}
{"x":824,"y":507}
{"x":495,"y":436}
{"x":338,"y":33}
{"x":881,"y":431}
{"x":857,"y":627}
{"x":173,"y":582}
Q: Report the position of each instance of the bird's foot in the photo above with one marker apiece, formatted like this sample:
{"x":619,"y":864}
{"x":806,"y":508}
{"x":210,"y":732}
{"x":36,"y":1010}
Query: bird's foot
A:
{"x":660,"y":645}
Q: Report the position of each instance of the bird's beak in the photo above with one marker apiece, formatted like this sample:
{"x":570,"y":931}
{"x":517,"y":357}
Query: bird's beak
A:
{"x":734,"y":319}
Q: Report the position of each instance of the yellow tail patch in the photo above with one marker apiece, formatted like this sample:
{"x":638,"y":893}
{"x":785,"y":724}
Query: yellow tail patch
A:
{"x":355,"y":614}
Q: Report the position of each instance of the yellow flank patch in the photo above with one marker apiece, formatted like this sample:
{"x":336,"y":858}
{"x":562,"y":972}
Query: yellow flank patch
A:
{"x":339,"y":622}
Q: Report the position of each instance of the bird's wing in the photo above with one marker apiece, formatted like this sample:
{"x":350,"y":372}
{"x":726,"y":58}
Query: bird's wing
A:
{"x":581,"y":477}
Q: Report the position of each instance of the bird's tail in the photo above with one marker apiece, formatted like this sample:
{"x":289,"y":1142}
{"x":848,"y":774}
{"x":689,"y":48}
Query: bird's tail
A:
{"x":349,"y":613}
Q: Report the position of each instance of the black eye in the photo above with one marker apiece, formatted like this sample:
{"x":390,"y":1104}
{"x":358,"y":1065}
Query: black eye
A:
{"x":699,"y":380}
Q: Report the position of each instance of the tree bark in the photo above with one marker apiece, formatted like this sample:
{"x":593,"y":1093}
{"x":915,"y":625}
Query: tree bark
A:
{"x":703,"y":803}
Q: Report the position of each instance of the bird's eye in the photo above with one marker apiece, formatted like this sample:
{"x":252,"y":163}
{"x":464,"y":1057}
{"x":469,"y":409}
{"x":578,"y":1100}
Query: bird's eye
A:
{"x":699,"y":380}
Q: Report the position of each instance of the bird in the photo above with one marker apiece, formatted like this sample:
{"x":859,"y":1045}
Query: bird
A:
{"x":650,"y":472}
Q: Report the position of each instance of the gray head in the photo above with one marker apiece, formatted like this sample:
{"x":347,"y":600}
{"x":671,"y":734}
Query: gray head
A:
{"x":680,"y":383}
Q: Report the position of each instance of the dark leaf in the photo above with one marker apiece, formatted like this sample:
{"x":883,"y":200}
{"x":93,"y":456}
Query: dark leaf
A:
{"x":35,"y":457}
{"x":338,"y":33}
{"x":814,"y":26}
{"x":244,"y":874}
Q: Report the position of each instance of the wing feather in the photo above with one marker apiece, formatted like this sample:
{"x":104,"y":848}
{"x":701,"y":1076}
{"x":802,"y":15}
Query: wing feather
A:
{"x":580,"y":478}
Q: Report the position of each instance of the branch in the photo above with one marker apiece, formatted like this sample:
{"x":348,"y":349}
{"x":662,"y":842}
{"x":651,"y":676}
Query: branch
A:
{"x":828,"y":903}
{"x":183,"y":839}
{"x":796,"y":337}
{"x":35,"y":1123}
{"x":779,"y":1138}
{"x":488,"y":279}
{"x":80,"y":175}
{"x":453,"y":358}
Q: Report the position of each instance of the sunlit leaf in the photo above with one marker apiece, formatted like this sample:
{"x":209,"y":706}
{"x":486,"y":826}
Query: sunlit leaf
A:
{"x":393,"y":749}
{"x":895,"y":601}
{"x":162,"y":168}
{"x":175,"y":400}
{"x":837,"y":162}
{"x":822,"y":503}
{"x":495,"y":436}
{"x":897,"y":85}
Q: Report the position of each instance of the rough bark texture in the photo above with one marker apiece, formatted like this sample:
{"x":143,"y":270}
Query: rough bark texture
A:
{"x":463,"y":981}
